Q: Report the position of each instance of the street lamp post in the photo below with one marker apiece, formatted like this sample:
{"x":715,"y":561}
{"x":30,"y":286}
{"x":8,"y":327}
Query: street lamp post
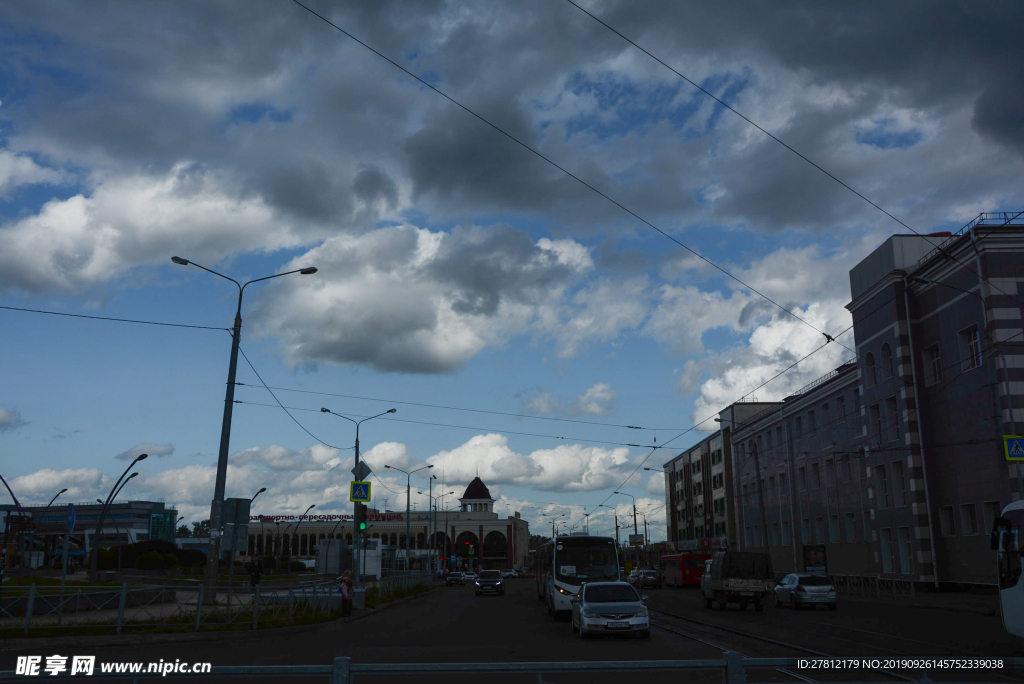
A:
{"x":7,"y":529}
{"x":299,"y":522}
{"x":116,"y":528}
{"x":103,"y":513}
{"x":634,"y":509}
{"x":42,"y":516}
{"x":408,"y":481}
{"x":553,"y":519}
{"x":757,"y":481}
{"x":616,"y":514}
{"x":356,"y":536}
{"x":262,"y":489}
{"x":217,"y":505}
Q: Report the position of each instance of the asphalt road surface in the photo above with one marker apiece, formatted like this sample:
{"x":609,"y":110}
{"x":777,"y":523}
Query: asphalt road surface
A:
{"x":453,"y":625}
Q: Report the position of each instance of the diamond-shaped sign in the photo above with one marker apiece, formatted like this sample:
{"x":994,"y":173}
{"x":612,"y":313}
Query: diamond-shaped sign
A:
{"x":361,"y":471}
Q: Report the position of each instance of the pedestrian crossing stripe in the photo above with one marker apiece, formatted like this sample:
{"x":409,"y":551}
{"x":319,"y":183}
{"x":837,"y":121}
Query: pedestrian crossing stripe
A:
{"x":359,"y":491}
{"x":1014,"y":447}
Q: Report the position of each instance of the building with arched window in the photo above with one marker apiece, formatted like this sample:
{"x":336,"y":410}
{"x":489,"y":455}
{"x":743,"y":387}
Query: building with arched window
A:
{"x":471,"y":536}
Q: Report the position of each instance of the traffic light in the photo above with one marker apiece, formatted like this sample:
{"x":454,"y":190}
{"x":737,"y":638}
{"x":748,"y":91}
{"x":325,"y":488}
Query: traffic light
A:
{"x":360,"y":517}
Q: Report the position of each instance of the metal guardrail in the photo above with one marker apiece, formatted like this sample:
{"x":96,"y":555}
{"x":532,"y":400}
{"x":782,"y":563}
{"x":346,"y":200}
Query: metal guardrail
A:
{"x":734,"y":667}
{"x":984,"y":218}
{"x":120,"y":608}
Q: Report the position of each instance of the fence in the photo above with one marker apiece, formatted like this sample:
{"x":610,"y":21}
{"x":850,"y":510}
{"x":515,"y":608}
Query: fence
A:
{"x":389,"y":586}
{"x":732,"y":665}
{"x":124,"y":608}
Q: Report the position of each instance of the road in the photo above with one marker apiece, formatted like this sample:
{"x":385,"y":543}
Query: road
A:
{"x":454,"y":625}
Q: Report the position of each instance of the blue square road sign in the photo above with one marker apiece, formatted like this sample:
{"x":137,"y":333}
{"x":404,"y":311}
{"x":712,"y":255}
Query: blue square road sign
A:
{"x":1013,"y":445}
{"x":359,"y":491}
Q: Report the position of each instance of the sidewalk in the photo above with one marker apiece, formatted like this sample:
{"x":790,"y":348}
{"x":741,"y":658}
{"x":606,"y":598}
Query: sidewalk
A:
{"x":128,"y":638}
{"x":959,"y":602}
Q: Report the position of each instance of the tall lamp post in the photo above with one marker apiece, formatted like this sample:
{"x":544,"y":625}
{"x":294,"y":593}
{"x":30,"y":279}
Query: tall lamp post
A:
{"x":262,"y":489}
{"x":356,"y":536}
{"x":299,"y":522}
{"x":42,"y":516}
{"x":757,"y":482}
{"x":616,"y":514}
{"x":634,"y":509}
{"x":217,"y":505}
{"x":114,"y":520}
{"x":553,"y":519}
{"x":408,"y":481}
{"x":7,"y":528}
{"x":103,"y":513}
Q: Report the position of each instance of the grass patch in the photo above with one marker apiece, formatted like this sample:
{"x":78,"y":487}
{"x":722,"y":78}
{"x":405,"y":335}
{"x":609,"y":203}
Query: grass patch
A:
{"x":373,"y":597}
{"x":22,"y":581}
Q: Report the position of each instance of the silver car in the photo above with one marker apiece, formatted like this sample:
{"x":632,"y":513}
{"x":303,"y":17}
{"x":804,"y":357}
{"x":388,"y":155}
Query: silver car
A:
{"x":805,"y":590}
{"x":610,"y":608}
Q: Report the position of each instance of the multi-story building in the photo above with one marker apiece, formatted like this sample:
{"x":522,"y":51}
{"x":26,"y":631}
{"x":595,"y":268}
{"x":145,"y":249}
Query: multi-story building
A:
{"x":699,"y":484}
{"x":893,"y":464}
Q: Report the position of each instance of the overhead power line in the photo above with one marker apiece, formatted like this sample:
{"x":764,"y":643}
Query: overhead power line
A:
{"x":459,"y":408}
{"x":568,"y":173}
{"x":108,"y":318}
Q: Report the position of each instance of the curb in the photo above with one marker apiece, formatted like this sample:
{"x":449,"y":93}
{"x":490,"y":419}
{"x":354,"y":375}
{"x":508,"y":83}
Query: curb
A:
{"x":28,"y":643}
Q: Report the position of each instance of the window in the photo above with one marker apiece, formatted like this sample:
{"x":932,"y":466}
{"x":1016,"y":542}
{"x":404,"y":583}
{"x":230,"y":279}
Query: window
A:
{"x":991,"y":510}
{"x":882,"y":487}
{"x":946,"y":521}
{"x":885,"y":544}
{"x":805,"y":531}
{"x":797,"y":427}
{"x":783,"y":489}
{"x":830,"y":476}
{"x":718,"y":481}
{"x":812,"y":424}
{"x":697,"y":489}
{"x":970,"y":348}
{"x":851,"y":527}
{"x":833,"y":529}
{"x":768,"y":440}
{"x":824,"y":415}
{"x":778,"y":436}
{"x":892,"y":414}
{"x":840,"y":409}
{"x":887,"y":367}
{"x":775,"y":534}
{"x":856,"y":401}
{"x":815,"y":475}
{"x":719,"y":505}
{"x":844,"y":467}
{"x":875,"y":415}
{"x":819,"y":530}
{"x":802,"y":478}
{"x":785,"y":533}
{"x":903,"y":549}
{"x":696,"y":467}
{"x":899,"y":484}
{"x":869,"y":369}
{"x":968,"y":520}
{"x":932,"y":365}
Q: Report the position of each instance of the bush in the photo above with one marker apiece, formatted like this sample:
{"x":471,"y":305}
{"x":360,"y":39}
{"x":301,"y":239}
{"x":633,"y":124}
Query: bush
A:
{"x":297,"y":565}
{"x":154,"y":560}
{"x":107,"y":559}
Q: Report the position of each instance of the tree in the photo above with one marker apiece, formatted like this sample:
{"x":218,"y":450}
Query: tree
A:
{"x":201,"y":529}
{"x":183,"y":531}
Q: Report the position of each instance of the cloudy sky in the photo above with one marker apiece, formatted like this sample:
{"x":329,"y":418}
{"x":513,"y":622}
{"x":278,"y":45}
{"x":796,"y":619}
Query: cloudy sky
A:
{"x":517,"y":319}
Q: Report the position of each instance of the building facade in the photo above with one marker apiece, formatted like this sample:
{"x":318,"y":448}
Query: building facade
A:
{"x":893,"y":464}
{"x":473,"y":535}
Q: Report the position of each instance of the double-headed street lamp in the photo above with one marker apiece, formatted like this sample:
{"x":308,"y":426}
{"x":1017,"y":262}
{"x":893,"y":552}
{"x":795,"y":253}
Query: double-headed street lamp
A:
{"x":217,"y":505}
{"x":356,"y":534}
{"x":42,"y":517}
{"x":408,"y":481}
{"x":634,"y":509}
{"x":297,"y":523}
{"x":553,"y":519}
{"x":106,"y":506}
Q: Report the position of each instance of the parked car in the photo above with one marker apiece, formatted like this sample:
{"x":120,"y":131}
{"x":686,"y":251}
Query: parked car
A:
{"x":490,"y":580}
{"x":470,"y":576}
{"x":455,"y":578}
{"x":610,"y":608}
{"x":518,"y":572}
{"x":507,"y":574}
{"x":647,"y":578}
{"x":805,"y":590}
{"x":742,"y":577}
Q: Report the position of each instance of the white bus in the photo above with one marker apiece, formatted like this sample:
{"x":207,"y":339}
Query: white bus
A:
{"x":1006,"y":542}
{"x":565,"y":563}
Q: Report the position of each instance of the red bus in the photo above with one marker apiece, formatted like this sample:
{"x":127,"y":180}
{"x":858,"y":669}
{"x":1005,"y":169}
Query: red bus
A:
{"x":684,"y":569}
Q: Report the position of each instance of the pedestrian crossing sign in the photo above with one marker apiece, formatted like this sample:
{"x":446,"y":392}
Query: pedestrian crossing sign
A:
{"x":1014,"y":446}
{"x":359,"y":491}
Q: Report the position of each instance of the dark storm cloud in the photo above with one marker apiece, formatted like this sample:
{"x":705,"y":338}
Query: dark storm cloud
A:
{"x":484,"y":266}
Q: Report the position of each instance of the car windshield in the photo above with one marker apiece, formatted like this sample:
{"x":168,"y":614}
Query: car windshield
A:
{"x":611,"y":593}
{"x":585,"y":559}
{"x":815,"y":581}
{"x":650,"y":573}
{"x":490,"y":574}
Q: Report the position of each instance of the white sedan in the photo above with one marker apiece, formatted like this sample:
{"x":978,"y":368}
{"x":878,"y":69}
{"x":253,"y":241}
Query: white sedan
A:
{"x":610,"y":608}
{"x":805,"y":590}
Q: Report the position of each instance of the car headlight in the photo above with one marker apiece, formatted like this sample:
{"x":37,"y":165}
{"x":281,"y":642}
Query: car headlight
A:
{"x":589,"y":614}
{"x":563,"y":591}
{"x":476,"y":583}
{"x":498,"y":582}
{"x":642,"y":613}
